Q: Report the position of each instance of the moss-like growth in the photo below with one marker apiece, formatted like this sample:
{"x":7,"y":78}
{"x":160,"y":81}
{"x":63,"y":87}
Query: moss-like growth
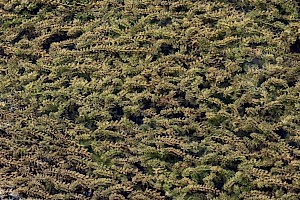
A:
{"x":147,"y":99}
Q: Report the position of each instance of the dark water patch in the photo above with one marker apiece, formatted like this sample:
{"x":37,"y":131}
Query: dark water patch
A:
{"x":243,"y":133}
{"x":146,"y":104}
{"x":84,"y":76}
{"x":116,"y":112}
{"x":199,"y":12}
{"x":281,"y":10}
{"x":292,"y":82}
{"x":2,"y":52}
{"x":257,"y":44}
{"x":284,"y":21}
{"x":80,"y":189}
{"x":167,"y":49}
{"x":69,"y":47}
{"x":294,"y":144}
{"x":69,"y":17}
{"x":161,"y":22}
{"x":140,"y":167}
{"x":29,"y":33}
{"x":178,"y":115}
{"x":219,"y":181}
{"x":295,"y":47}
{"x":57,"y":37}
{"x":261,"y":81}
{"x":71,"y":111}
{"x":35,"y":9}
{"x":233,"y":165}
{"x":4,"y":133}
{"x":136,"y":119}
{"x":172,"y":157}
{"x":91,"y":125}
{"x":180,"y":8}
{"x":225,"y":99}
{"x":50,"y":161}
{"x":242,"y":109}
{"x":209,"y":21}
{"x":282,"y":133}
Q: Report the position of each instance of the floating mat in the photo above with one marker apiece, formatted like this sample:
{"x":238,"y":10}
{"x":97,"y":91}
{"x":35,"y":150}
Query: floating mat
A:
{"x":123,"y":99}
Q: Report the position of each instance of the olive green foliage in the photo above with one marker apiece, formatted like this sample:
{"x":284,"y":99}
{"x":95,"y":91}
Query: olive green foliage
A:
{"x":150,"y":99}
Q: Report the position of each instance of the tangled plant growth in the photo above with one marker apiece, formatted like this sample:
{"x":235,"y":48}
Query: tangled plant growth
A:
{"x":123,"y":99}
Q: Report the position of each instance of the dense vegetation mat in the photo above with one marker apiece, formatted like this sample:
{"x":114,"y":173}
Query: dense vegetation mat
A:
{"x":150,"y":99}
